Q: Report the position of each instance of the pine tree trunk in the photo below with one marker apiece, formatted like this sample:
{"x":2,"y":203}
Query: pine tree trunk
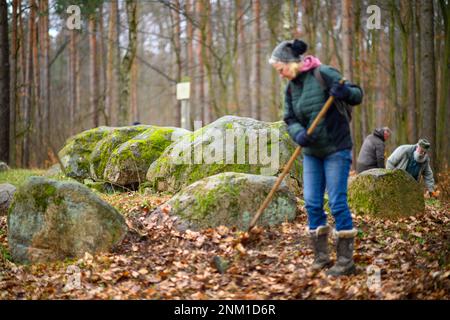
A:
{"x":93,"y":69}
{"x":126,"y":64}
{"x":411,"y":101}
{"x":347,"y":54}
{"x":111,"y":95}
{"x":200,"y":87}
{"x":13,"y":84}
{"x":4,"y":83}
{"x":101,"y":66}
{"x":28,"y":101}
{"x":256,"y":71}
{"x":176,"y":39}
{"x":190,"y":65}
{"x":443,"y":132}
{"x":428,"y":75}
{"x":44,"y":72}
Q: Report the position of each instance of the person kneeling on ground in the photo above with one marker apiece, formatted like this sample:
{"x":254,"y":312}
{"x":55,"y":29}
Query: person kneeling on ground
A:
{"x":414,"y":159}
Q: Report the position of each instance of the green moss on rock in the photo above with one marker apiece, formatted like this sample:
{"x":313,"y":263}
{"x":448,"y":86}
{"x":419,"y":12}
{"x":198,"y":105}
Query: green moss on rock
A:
{"x":129,"y":162}
{"x":385,"y":193}
{"x":103,"y":150}
{"x":179,"y":165}
{"x":231,"y":199}
{"x":75,"y":153}
{"x":53,"y":220}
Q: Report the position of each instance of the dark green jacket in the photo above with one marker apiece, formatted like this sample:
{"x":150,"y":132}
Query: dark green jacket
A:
{"x":304,"y":99}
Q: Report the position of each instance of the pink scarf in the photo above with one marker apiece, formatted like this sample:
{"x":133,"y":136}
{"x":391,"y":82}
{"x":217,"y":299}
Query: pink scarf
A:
{"x":310,"y":62}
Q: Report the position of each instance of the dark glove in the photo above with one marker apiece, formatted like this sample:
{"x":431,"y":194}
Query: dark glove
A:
{"x":303,"y":139}
{"x":340,"y":91}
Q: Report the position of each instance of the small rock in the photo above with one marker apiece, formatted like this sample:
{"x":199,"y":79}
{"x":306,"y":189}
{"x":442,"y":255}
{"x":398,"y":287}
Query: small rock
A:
{"x":3,"y":166}
{"x":6,"y":195}
{"x":221,"y":264}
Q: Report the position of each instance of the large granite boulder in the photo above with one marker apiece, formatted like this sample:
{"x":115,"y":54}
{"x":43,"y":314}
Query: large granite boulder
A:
{"x":128,"y":164}
{"x":385,"y":193}
{"x":107,"y":145}
{"x":229,"y":199}
{"x":52,"y":220}
{"x":6,"y":195}
{"x":229,"y":144}
{"x":75,"y":153}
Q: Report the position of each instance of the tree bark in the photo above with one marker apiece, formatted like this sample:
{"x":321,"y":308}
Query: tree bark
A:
{"x":176,"y":41}
{"x":44,"y":73}
{"x":13,"y":84}
{"x":428,"y":75}
{"x":28,"y":101}
{"x":94,"y":109}
{"x":256,"y":71}
{"x":111,"y":95}
{"x":4,"y":83}
{"x":127,"y":62}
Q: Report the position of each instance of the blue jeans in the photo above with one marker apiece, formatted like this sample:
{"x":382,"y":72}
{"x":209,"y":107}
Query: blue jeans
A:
{"x":330,"y":173}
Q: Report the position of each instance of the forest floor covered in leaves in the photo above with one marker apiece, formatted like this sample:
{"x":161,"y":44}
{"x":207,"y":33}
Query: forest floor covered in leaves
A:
{"x":155,"y":261}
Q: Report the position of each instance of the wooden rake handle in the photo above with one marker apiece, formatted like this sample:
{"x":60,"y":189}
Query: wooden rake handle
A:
{"x":289,"y":164}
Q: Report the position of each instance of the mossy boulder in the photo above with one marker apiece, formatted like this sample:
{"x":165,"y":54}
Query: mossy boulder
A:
{"x":229,"y":144}
{"x":385,"y":193}
{"x":229,"y":199}
{"x":104,"y":148}
{"x":52,"y":220}
{"x":129,"y":163}
{"x":6,"y":195}
{"x":75,"y":153}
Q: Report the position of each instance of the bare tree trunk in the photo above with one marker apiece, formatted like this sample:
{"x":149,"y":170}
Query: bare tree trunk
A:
{"x":207,"y":45}
{"x":71,"y":77}
{"x":358,"y":125}
{"x":347,"y":54}
{"x":393,"y":77}
{"x":92,"y":25}
{"x":276,"y":100}
{"x":347,"y":38}
{"x":37,"y":139}
{"x":443,"y":131}
{"x":4,"y":83}
{"x":134,"y":91}
{"x":309,"y":23}
{"x":201,"y":68}
{"x":20,"y":123}
{"x":13,"y":84}
{"x":243,"y":61}
{"x":44,"y":73}
{"x":236,"y":71}
{"x":176,"y":40}
{"x":428,"y":75}
{"x":127,"y":62}
{"x":28,"y":102}
{"x":190,"y":66}
{"x":111,"y":95}
{"x":411,"y":101}
{"x":102,"y":66}
{"x":256,"y":72}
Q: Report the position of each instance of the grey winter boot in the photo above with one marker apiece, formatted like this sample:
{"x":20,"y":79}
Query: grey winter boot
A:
{"x":319,"y":243}
{"x":344,"y":251}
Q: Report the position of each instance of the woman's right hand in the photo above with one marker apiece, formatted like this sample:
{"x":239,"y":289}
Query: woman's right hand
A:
{"x":303,"y":139}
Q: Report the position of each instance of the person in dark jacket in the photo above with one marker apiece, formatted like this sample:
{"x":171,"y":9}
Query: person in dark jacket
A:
{"x":326,"y":153}
{"x":371,"y":155}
